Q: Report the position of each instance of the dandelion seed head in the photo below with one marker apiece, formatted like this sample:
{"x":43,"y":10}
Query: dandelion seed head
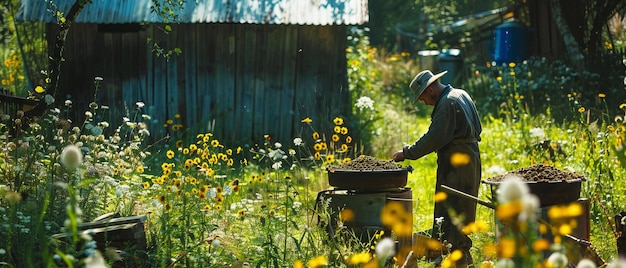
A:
{"x":71,"y":157}
{"x":511,"y":189}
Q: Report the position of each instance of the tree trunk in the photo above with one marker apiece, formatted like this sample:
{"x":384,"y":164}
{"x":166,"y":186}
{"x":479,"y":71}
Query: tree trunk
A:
{"x":574,"y":53}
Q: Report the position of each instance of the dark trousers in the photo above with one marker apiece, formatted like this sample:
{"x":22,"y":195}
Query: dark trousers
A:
{"x":457,"y":211}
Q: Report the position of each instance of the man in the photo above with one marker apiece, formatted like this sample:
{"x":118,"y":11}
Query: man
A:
{"x":453,"y":134}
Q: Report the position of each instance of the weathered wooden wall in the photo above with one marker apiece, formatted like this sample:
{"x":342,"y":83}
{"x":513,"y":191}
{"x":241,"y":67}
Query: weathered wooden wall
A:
{"x":245,"y":80}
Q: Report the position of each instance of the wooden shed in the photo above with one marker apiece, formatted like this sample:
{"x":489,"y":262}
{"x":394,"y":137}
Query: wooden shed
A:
{"x":247,"y":67}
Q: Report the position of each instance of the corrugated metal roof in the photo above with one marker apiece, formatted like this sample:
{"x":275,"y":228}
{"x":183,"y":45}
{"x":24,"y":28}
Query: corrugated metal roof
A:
{"x":315,"y":12}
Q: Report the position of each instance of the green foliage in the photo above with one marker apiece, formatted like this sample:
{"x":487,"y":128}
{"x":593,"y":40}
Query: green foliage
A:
{"x":549,"y":87}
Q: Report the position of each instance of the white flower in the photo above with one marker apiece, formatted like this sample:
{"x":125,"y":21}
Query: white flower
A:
{"x":276,"y":154}
{"x":277,"y":165}
{"x":558,"y":260}
{"x":530,"y":205}
{"x":71,"y":157}
{"x":586,"y":263}
{"x":537,"y":133}
{"x":140,"y":104}
{"x":125,"y":119}
{"x":511,"y":189}
{"x":278,"y":145}
{"x":211,"y":193}
{"x":68,"y":103}
{"x":88,"y":114}
{"x":144,"y":132}
{"x":385,"y":248}
{"x":439,"y":220}
{"x":619,"y":263}
{"x":297,"y":141}
{"x":496,"y":170}
{"x":145,"y":117}
{"x":98,"y":78}
{"x":365,"y":103}
{"x":95,"y":260}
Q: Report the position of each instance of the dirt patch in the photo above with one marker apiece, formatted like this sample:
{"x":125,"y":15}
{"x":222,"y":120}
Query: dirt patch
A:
{"x":540,"y":173}
{"x":367,"y":163}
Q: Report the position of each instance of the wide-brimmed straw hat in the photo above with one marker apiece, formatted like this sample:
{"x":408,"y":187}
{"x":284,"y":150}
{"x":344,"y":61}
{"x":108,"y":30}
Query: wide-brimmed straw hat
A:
{"x":422,"y":80}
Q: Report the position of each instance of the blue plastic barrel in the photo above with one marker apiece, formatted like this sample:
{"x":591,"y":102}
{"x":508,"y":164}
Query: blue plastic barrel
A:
{"x":510,"y":43}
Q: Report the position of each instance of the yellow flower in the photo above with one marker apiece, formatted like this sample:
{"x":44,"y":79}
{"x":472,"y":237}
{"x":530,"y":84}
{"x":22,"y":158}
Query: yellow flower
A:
{"x":318,"y":262}
{"x":317,"y":155}
{"x":474,"y":227}
{"x":317,"y":147}
{"x":440,"y":197}
{"x":499,"y":78}
{"x":346,"y":160}
{"x":541,"y":245}
{"x":346,"y":215}
{"x":581,"y":110}
{"x":170,"y":154}
{"x":215,"y":143}
{"x":344,"y":130}
{"x":509,"y":210}
{"x":139,"y":169}
{"x":459,"y":159}
{"x":146,"y":185}
{"x":307,"y":120}
{"x":316,"y":135}
{"x":335,"y":137}
{"x":348,"y":139}
{"x":506,"y":248}
{"x":622,"y":106}
{"x":330,"y":158}
{"x":359,"y":258}
{"x":179,"y":144}
{"x":601,"y":95}
{"x":344,"y":147}
{"x":337,"y":129}
{"x":338,"y":121}
{"x":512,"y":65}
{"x":39,"y":89}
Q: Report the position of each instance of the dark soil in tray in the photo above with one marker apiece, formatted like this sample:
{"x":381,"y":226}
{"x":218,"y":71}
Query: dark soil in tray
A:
{"x":540,"y":173}
{"x":366,"y":163}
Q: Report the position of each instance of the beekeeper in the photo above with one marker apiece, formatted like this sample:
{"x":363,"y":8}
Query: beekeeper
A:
{"x":454,"y":133}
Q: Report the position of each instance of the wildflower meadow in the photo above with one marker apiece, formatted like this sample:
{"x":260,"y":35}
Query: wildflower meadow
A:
{"x":203,"y":203}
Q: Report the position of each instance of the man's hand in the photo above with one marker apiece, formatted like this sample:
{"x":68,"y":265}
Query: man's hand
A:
{"x":398,"y":156}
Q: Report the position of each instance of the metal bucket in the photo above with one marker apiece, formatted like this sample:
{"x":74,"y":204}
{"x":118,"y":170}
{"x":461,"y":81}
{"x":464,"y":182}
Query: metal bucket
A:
{"x":549,"y":192}
{"x":368,"y":179}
